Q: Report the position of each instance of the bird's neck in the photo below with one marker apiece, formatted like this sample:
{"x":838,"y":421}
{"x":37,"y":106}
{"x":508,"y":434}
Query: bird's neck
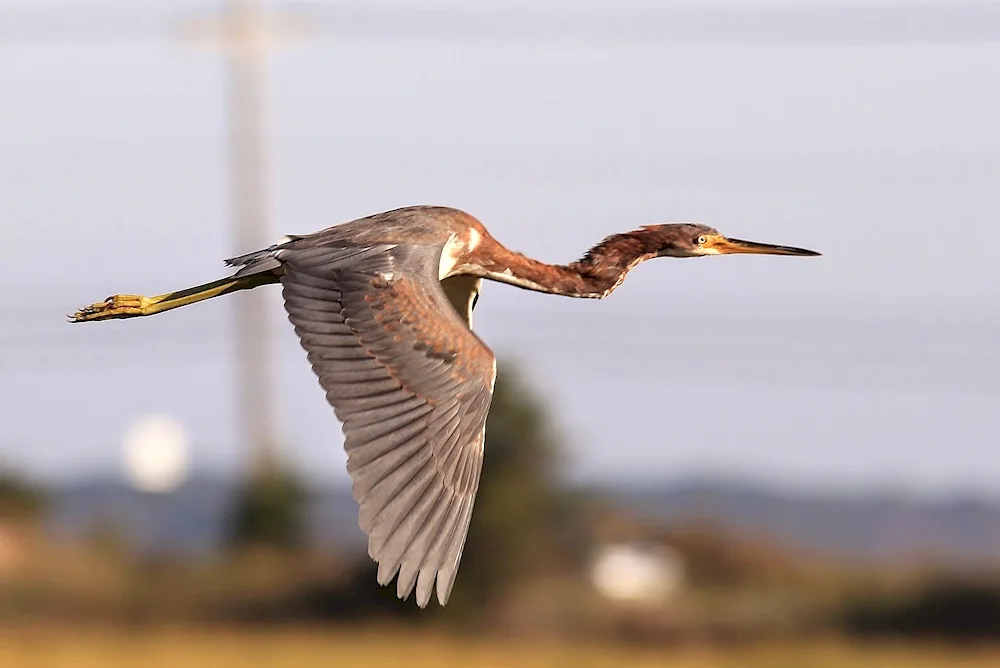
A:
{"x":595,"y":275}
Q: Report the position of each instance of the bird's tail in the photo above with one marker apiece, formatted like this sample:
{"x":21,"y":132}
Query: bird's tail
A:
{"x":135,"y":306}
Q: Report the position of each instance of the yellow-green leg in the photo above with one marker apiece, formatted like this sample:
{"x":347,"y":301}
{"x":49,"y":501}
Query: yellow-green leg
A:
{"x":136,"y":306}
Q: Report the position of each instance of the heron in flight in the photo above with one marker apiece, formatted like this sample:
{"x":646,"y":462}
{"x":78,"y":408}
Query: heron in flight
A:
{"x":383,"y":307}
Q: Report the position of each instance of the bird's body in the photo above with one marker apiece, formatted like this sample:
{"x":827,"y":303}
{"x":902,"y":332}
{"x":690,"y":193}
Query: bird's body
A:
{"x":383,"y":307}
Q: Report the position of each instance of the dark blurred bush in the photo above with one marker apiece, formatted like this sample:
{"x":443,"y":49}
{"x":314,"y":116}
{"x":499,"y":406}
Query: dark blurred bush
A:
{"x":944,"y":609}
{"x":522,"y":528}
{"x":19,"y":498}
{"x":268,"y":510}
{"x":350,"y":595}
{"x":524,"y":520}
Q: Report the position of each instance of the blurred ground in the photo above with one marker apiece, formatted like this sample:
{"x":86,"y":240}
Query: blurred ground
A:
{"x":392,"y":647}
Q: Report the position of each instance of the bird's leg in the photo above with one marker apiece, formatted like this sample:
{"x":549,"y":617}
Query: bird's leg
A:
{"x":136,"y":306}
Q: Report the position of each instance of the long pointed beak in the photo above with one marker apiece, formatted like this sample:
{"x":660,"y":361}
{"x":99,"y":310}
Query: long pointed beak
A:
{"x":727,"y":246}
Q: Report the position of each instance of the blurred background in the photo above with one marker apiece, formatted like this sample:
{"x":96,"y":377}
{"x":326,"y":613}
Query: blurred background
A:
{"x":746,"y":461}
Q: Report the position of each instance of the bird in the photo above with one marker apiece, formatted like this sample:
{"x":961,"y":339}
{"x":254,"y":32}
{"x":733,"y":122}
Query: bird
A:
{"x":383,"y":307}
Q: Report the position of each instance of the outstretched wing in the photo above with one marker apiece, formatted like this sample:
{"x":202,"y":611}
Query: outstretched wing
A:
{"x":412,"y":385}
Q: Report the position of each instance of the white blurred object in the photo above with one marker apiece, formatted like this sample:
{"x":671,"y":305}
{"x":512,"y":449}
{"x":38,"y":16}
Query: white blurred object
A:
{"x":636,"y":573}
{"x":156,"y":453}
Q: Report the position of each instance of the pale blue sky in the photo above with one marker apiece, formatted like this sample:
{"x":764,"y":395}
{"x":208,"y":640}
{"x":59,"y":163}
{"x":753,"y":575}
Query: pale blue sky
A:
{"x":877,"y":365}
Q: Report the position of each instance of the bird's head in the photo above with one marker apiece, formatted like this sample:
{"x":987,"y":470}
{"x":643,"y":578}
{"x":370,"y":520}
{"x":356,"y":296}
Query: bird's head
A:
{"x":696,"y":240}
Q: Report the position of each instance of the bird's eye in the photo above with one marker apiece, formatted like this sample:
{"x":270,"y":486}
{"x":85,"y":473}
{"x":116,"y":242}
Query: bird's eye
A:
{"x":702,"y":239}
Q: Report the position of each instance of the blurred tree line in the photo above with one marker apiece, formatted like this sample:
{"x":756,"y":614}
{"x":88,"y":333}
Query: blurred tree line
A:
{"x":529,"y":527}
{"x":524,"y":564}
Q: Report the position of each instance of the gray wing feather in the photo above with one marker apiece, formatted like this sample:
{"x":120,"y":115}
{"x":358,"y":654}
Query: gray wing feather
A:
{"x":269,"y":258}
{"x":412,"y":385}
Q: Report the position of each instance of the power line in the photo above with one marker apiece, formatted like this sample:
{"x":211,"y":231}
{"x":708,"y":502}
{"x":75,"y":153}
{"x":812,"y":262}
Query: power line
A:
{"x":948,"y":329}
{"x":970,"y":21}
{"x":638,"y":359}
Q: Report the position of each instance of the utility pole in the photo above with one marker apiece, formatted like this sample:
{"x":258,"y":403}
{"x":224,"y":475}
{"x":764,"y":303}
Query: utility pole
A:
{"x":246,"y":34}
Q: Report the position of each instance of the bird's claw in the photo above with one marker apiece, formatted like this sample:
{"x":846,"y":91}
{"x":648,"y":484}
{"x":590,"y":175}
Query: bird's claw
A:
{"x":115,"y":306}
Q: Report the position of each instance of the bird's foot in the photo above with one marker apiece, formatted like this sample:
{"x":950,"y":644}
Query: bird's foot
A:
{"x":115,"y":306}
